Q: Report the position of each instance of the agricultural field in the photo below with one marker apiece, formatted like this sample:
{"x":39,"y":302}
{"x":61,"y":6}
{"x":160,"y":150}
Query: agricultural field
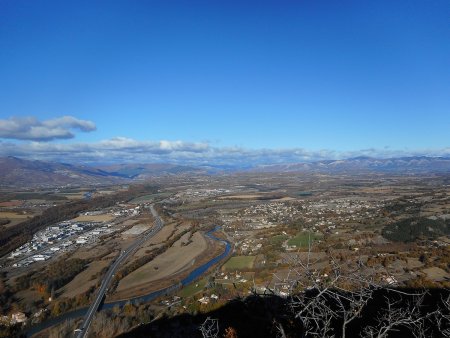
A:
{"x":84,"y":280}
{"x":136,"y":230}
{"x":239,"y":263}
{"x":242,"y":197}
{"x":437,"y":274}
{"x":169,"y":263}
{"x":149,"y":198}
{"x":193,"y":288}
{"x":72,"y":195}
{"x":13,"y":217}
{"x":10,"y":204}
{"x":302,"y":239}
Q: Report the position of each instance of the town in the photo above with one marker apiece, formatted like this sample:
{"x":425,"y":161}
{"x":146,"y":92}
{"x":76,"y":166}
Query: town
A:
{"x":272,"y":234}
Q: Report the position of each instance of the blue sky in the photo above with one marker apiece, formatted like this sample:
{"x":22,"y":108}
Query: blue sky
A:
{"x":323,"y":78}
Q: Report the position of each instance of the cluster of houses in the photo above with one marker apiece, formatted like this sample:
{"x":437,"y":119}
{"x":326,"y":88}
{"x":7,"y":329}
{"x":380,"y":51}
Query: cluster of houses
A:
{"x":15,"y":318}
{"x":342,"y":210}
{"x":248,"y":245}
{"x":199,"y":193}
{"x":127,"y":211}
{"x":317,"y":213}
{"x":174,"y":300}
{"x":205,"y":299}
{"x":269,"y":214}
{"x":227,"y":278}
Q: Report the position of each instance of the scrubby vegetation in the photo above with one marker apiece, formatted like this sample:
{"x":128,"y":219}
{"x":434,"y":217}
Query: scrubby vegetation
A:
{"x":108,"y":323}
{"x":54,"y":277}
{"x":6,"y":295}
{"x":4,"y":221}
{"x":409,"y":230}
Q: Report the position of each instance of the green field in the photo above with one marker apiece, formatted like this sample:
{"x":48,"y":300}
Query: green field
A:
{"x":193,"y":288}
{"x":149,"y":198}
{"x":239,"y":262}
{"x":304,"y":193}
{"x":302,"y":238}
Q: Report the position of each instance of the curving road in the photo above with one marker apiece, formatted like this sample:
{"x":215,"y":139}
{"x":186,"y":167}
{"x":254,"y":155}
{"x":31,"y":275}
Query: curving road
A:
{"x":82,"y":332}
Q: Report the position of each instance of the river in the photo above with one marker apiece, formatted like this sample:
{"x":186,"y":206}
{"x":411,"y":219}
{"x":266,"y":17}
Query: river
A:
{"x":193,"y":275}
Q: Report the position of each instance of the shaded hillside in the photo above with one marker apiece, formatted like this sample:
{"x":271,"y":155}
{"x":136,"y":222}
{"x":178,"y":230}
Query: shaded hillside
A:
{"x":142,"y":171}
{"x":252,"y":317}
{"x":16,"y":172}
{"x":263,"y":316}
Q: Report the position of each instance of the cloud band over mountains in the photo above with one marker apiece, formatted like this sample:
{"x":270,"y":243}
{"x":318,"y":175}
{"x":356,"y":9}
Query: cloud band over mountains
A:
{"x":122,"y":150}
{"x":41,"y":143}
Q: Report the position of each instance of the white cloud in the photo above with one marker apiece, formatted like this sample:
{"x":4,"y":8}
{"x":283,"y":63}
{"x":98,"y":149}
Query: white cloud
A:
{"x":122,"y":149}
{"x":30,"y":128}
{"x":157,"y":147}
{"x":118,"y":149}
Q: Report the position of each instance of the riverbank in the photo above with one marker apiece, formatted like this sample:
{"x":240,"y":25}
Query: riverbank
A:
{"x":191,"y":277}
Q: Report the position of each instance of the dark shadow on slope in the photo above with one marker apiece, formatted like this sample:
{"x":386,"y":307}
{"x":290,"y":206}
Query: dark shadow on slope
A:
{"x":251,"y":317}
{"x":260,"y":316}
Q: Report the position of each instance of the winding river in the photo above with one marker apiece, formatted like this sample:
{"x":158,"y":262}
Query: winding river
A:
{"x":193,"y":275}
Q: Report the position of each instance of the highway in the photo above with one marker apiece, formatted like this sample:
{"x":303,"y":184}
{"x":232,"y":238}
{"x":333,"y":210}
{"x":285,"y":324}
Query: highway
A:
{"x":82,"y":332}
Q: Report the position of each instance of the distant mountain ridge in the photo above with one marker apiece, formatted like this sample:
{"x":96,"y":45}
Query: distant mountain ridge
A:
{"x":23,"y":173}
{"x":18,"y":172}
{"x":142,"y":171}
{"x":413,"y":164}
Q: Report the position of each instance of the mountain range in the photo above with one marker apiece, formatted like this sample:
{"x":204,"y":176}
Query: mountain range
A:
{"x":412,"y":165}
{"x":17,"y":172}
